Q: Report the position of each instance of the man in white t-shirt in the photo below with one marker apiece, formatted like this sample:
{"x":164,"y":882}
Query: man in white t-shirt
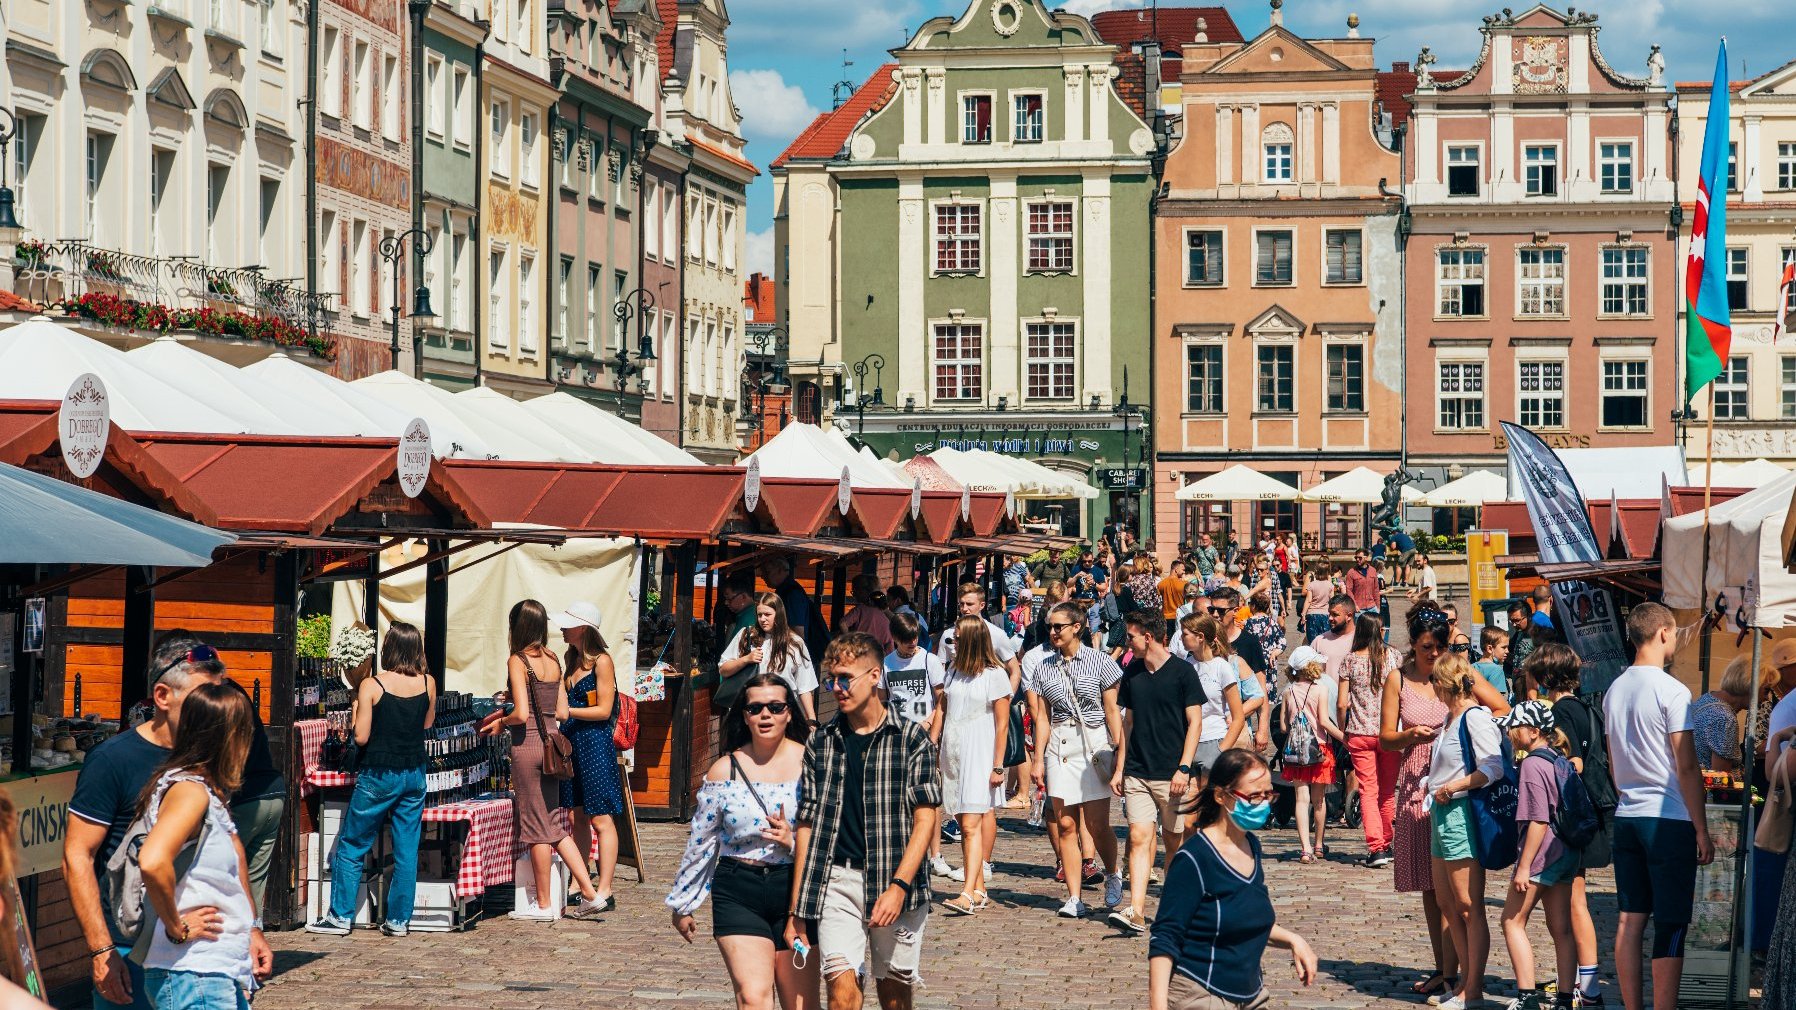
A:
{"x":972,"y":604}
{"x":1661,"y":825}
{"x":911,"y":682}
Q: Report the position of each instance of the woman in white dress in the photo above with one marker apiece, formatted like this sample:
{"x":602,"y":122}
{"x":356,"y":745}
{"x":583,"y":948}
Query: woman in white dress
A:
{"x":773,"y":646}
{"x":976,"y":716}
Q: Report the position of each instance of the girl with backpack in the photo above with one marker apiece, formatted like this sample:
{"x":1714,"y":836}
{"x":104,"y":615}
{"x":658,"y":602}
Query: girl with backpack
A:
{"x":595,"y":795}
{"x":1308,"y":760}
{"x":1547,"y":865}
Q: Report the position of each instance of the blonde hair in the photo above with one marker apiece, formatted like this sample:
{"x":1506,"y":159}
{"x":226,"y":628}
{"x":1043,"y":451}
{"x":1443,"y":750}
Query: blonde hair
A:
{"x":1737,"y":680}
{"x":973,"y":650}
{"x":1453,"y":675}
{"x":1309,"y":673}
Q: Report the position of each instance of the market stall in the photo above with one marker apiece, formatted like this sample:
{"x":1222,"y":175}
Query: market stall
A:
{"x":1211,"y":500}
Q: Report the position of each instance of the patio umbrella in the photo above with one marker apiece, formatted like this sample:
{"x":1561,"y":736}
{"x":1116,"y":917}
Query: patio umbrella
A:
{"x":1358,"y":486}
{"x":1237,"y":483}
{"x":607,"y":437}
{"x":1470,"y":491}
{"x":40,"y":359}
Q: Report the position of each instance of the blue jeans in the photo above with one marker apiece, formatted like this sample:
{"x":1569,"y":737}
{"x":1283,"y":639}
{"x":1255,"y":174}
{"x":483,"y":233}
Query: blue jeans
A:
{"x":380,"y":792}
{"x":186,"y":990}
{"x":140,"y":997}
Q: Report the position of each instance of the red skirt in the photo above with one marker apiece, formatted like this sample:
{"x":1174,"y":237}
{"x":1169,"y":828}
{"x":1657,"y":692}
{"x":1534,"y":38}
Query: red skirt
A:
{"x":1320,"y":773}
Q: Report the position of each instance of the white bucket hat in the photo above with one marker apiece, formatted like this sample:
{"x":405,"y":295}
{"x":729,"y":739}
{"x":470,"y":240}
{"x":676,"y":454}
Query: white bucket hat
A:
{"x":576,"y":615}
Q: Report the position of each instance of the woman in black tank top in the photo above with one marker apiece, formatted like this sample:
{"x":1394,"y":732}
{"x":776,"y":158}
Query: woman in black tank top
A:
{"x":392,"y":710}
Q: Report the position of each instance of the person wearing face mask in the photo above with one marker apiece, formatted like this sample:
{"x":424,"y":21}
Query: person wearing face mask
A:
{"x":740,"y":851}
{"x":1216,"y":917}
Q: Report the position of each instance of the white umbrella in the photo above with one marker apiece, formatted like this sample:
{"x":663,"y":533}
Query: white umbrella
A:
{"x":332,"y":395}
{"x":1052,"y":483}
{"x":605,"y":436}
{"x":1745,"y":558}
{"x":1358,"y":486}
{"x":504,"y":421}
{"x":232,"y":389}
{"x":1470,"y":491}
{"x":1752,"y":473}
{"x":805,"y":450}
{"x":438,"y":407}
{"x":40,"y":359}
{"x":1237,"y":483}
{"x":968,"y":471}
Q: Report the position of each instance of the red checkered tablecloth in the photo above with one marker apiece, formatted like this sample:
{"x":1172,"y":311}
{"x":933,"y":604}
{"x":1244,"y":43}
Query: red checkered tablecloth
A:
{"x":311,"y":748}
{"x":487,"y":856}
{"x":321,"y":778}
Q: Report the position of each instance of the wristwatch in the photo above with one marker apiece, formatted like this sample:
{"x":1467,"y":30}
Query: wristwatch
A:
{"x":1187,"y":769}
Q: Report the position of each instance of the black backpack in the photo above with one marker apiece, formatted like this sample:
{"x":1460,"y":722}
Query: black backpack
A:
{"x":1575,"y":822}
{"x":1598,"y":782}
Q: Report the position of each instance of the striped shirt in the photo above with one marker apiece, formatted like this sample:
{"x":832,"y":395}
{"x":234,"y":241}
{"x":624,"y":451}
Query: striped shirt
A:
{"x":1090,"y":673}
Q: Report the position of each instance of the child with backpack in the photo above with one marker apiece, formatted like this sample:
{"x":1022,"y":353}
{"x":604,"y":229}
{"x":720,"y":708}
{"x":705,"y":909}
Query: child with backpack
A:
{"x":1556,"y":818}
{"x":1308,"y":762}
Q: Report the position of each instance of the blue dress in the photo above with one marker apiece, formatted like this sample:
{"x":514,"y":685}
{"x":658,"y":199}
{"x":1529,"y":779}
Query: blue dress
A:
{"x":597,"y":787}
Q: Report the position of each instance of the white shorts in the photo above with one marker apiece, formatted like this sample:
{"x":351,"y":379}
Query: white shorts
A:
{"x":843,"y":934}
{"x":1072,"y":779}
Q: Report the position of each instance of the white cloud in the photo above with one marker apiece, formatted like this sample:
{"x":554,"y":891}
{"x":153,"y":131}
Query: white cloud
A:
{"x":760,"y":251}
{"x":771,"y":108}
{"x":826,"y":27}
{"x":1086,"y":8}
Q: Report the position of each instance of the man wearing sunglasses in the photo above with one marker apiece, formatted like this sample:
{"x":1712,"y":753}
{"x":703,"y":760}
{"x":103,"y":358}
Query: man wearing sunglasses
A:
{"x":105,"y":803}
{"x":870,"y":802}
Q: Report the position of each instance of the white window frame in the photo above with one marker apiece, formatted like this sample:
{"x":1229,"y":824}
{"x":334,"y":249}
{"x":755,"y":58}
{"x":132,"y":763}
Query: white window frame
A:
{"x":1053,"y":362}
{"x":1477,"y":150}
{"x":1356,"y":282}
{"x":1786,"y":164}
{"x":435,"y":267}
{"x":461,"y":283}
{"x":960,"y":104}
{"x":713,"y":231}
{"x":1365,"y":364}
{"x":1743,"y":276}
{"x":162,"y":171}
{"x":330,"y":249}
{"x":1605,"y":162}
{"x":651,"y":220}
{"x":1480,"y":397}
{"x":1441,"y":280}
{"x":1786,"y":388}
{"x":1645,"y":392}
{"x":101,"y":158}
{"x":1548,"y":287}
{"x":962,"y":363}
{"x":436,"y":99}
{"x":25,"y":143}
{"x":1291,"y":232}
{"x":1543,"y":362}
{"x":218,"y":194}
{"x":361,"y":69}
{"x":1289,"y":347}
{"x":498,"y":297}
{"x":695,"y":225}
{"x":461,"y":98}
{"x":596,"y":169}
{"x":564,"y":299}
{"x":595,"y":302}
{"x":527,"y":341}
{"x":729,"y":237}
{"x":266,"y":36}
{"x":1221,"y":377}
{"x":330,"y":78}
{"x":1278,"y":163}
{"x":1041,"y":127}
{"x":1070,"y":237}
{"x":1533,"y":185}
{"x":1624,"y":281}
{"x":936,"y":238}
{"x":1222,"y":243}
{"x":390,"y":95}
{"x":498,"y":113}
{"x":670,"y":224}
{"x":361,"y":273}
{"x":530,"y":137}
{"x":1731,"y":385}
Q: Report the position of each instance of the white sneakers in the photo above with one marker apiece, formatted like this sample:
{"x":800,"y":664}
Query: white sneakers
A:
{"x":1113,"y":890}
{"x":584,"y":909}
{"x":1073,"y":909}
{"x":532,"y":913}
{"x":940,"y":867}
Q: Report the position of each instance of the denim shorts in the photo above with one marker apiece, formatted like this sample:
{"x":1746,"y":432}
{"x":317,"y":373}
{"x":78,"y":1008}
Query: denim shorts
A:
{"x":1450,"y":830}
{"x":186,"y":990}
{"x":1559,"y":870}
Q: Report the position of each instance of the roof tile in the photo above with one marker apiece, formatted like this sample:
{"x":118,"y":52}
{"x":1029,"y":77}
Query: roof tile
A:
{"x":824,"y":138}
{"x":1174,"y":27}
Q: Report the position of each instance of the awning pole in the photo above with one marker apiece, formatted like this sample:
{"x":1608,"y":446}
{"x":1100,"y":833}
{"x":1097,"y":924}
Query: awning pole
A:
{"x":436,"y":610}
{"x":1741,"y":949}
{"x":371,"y":595}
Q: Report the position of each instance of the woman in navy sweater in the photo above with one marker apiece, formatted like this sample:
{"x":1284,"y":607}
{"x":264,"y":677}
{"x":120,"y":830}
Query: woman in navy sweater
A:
{"x":1215,"y":915}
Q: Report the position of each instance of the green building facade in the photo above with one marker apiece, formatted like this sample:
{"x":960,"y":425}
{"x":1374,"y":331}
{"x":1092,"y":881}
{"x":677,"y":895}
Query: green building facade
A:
{"x":450,"y":194}
{"x":994,"y":253}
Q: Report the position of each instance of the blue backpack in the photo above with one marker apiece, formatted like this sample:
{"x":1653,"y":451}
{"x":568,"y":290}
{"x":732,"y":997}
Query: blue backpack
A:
{"x":1575,"y":821}
{"x":1492,"y":807}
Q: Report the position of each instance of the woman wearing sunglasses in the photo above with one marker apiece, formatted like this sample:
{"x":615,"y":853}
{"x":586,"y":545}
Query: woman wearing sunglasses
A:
{"x":740,"y":852}
{"x":1216,"y":917}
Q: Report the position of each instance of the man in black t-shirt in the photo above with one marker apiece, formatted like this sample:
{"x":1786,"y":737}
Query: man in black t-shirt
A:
{"x":1162,"y":702}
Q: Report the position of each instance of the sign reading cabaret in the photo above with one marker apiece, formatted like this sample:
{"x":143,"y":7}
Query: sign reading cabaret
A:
{"x":1563,"y":531}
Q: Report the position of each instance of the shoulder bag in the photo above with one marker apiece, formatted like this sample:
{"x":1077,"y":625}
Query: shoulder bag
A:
{"x":1103,"y":768}
{"x":1775,"y":820}
{"x":728,"y":687}
{"x":1492,"y":806}
{"x":558,"y":750}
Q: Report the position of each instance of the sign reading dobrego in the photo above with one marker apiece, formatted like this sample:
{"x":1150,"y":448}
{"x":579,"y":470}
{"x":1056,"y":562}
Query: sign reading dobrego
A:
{"x":1563,"y":532}
{"x":414,"y":457}
{"x":84,"y":425}
{"x":1117,"y":478}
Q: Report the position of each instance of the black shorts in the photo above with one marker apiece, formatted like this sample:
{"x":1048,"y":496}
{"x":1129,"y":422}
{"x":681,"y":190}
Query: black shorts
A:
{"x":1655,"y":868}
{"x":751,"y":900}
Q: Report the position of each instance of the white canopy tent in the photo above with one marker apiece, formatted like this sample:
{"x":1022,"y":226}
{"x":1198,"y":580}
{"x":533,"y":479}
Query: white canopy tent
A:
{"x":416,"y":398}
{"x":1746,"y":550}
{"x":1054,"y":483}
{"x":606,"y":437}
{"x":970,"y":474}
{"x":40,"y":359}
{"x":1752,"y":473}
{"x":1237,"y":483}
{"x":1358,"y":486}
{"x":228,"y":386}
{"x":805,"y":450}
{"x":328,"y":394}
{"x":1633,"y":472}
{"x":504,"y":422}
{"x":1470,"y":491}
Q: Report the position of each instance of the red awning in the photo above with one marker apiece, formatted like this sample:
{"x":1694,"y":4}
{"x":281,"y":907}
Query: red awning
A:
{"x":880,"y":511}
{"x":664,"y":503}
{"x":988,"y":513}
{"x":941,"y":516}
{"x":800,"y":507}
{"x":28,"y":438}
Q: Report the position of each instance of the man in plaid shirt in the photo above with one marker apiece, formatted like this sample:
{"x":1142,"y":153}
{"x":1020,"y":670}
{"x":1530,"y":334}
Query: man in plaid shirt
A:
{"x":868,"y":809}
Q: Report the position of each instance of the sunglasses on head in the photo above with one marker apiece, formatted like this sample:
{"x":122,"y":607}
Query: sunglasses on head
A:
{"x":1460,"y":647}
{"x":199,"y":655}
{"x":757,"y":707}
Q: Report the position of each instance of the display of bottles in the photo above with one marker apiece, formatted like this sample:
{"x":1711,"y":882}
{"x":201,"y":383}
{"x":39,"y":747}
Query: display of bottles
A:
{"x":461,"y":765}
{"x":308,"y":694}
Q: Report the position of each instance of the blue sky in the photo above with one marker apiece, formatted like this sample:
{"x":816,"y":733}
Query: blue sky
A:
{"x":786,"y":54}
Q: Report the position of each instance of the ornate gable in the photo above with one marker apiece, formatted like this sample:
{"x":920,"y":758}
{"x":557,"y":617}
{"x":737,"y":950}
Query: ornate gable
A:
{"x":1277,"y":323}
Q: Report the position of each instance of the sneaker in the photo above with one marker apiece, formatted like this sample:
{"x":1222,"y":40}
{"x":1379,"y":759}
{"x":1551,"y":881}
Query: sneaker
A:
{"x":988,"y":871}
{"x":394,"y":928}
{"x":1153,"y":876}
{"x":939,"y":866}
{"x":958,"y":874}
{"x":1113,"y":890}
{"x":1127,"y":920}
{"x":329,"y":927}
{"x":1533,"y":999}
{"x":584,"y":909}
{"x":532,"y":913}
{"x":951,"y":831}
{"x":1458,"y":1002}
{"x":1090,"y":872}
{"x":1073,"y":909}
{"x":1059,"y":874}
{"x":1590,"y":999}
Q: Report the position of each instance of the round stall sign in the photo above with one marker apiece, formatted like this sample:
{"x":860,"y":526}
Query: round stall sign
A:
{"x":751,"y":488}
{"x":414,"y":457}
{"x":966,"y":504}
{"x":844,"y":492}
{"x":916,"y":498}
{"x":84,"y":425}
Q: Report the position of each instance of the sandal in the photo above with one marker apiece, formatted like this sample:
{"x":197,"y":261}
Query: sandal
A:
{"x":1306,"y":857}
{"x":1430,"y":985}
{"x":962,"y":904}
{"x":981,"y":900}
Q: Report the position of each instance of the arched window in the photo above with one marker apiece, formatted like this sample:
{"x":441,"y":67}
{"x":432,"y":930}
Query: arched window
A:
{"x":1278,"y":148}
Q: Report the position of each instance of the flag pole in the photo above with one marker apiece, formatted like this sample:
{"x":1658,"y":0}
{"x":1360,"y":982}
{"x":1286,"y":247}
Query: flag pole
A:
{"x":1708,"y":489}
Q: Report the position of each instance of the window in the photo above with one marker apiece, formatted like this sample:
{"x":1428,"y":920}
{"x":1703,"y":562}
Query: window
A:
{"x":695,"y":228}
{"x":363,"y":91}
{"x":1615,"y":167}
{"x":1342,"y":256}
{"x":434,"y":102}
{"x":957,"y":235}
{"x":1278,"y":162}
{"x":99,"y":159}
{"x":620,"y":176}
{"x":1789,"y":306}
{"x":651,"y":217}
{"x":1346,"y":377}
{"x":1624,"y":281}
{"x":464,"y":108}
{"x":525,"y":35}
{"x":383,"y":272}
{"x":976,"y":119}
{"x":1203,"y":258}
{"x":1731,"y":389}
{"x":1541,"y":169}
{"x":24,"y":156}
{"x":1027,"y":125}
{"x":1786,"y":165}
{"x":1540,"y":282}
{"x":436,"y":267}
{"x":1737,"y":272}
{"x":959,"y":361}
{"x":390,"y":94}
{"x":269,"y":193}
{"x":1462,"y":170}
{"x":563,"y":152}
{"x":713,"y":233}
{"x":1049,"y":351}
{"x":265,"y":26}
{"x":595,"y":300}
{"x":620,"y":332}
{"x":1277,"y":378}
{"x":459,"y":282}
{"x":330,"y":250}
{"x":527,"y":149}
{"x":1786,"y":390}
{"x":218,"y":180}
{"x":1624,"y":394}
{"x":563,"y":300}
{"x":526,"y":303}
{"x":330,"y":81}
{"x":1459,"y":279}
{"x":162,"y":169}
{"x":1203,"y":378}
{"x":1050,"y":234}
{"x":1540,"y":394}
{"x":1272,"y":257}
{"x":670,"y":225}
{"x":361,"y":270}
{"x":595,"y":171}
{"x":729,"y":238}
{"x":497,"y":288}
{"x":1461,"y":395}
{"x":500,"y":156}
{"x":1733,"y":166}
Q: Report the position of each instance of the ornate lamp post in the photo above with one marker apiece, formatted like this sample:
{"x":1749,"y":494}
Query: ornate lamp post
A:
{"x":876,"y":363}
{"x":392,"y":249}
{"x":637,"y":305}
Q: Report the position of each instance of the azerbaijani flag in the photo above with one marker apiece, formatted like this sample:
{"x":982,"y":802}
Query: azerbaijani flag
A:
{"x":1708,"y":330}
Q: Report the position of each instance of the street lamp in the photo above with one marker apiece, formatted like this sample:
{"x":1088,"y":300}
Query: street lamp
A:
{"x":637,"y":305}
{"x":877,"y":363}
{"x":760,"y":377}
{"x":391,"y":249}
{"x":10,"y":130}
